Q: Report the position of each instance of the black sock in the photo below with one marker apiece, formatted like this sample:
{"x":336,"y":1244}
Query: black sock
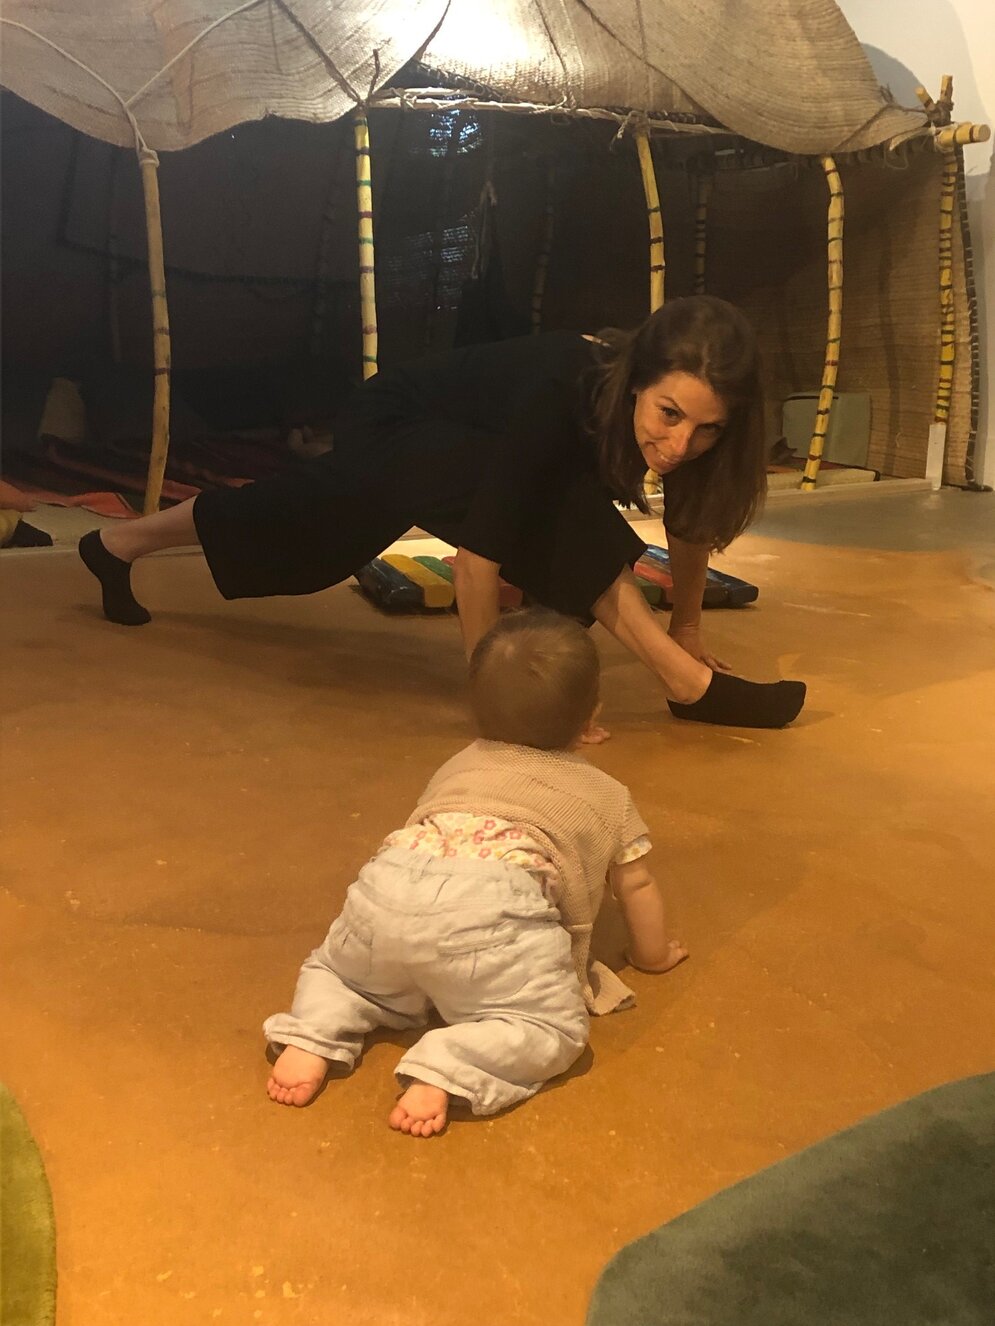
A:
{"x":735,"y":702}
{"x":120,"y":605}
{"x":26,"y":536}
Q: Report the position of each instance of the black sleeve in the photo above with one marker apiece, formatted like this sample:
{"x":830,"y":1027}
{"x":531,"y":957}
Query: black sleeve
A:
{"x":544,"y":446}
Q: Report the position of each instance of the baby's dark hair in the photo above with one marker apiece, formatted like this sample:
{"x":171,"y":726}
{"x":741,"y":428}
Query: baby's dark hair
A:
{"x":534,"y":680}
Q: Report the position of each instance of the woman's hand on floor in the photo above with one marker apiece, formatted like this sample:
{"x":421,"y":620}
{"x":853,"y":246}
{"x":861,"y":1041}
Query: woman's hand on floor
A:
{"x":689,"y":639}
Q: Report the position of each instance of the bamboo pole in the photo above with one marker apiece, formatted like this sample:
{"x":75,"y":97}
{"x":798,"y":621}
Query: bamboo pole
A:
{"x":545,"y":249}
{"x":950,"y":136}
{"x":654,"y":216}
{"x":367,"y":281}
{"x":933,"y":112}
{"x":161,"y":346}
{"x":435,"y":99}
{"x":945,"y":377}
{"x":945,"y":100}
{"x":703,"y":194}
{"x":971,"y":290}
{"x":652,"y":483}
{"x":834,"y":247}
{"x":961,"y":135}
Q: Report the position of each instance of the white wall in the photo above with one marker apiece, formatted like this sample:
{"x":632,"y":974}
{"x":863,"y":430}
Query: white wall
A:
{"x":918,"y":41}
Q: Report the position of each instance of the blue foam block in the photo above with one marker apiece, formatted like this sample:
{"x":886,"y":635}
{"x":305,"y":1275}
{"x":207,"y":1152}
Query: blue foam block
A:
{"x":738,"y":592}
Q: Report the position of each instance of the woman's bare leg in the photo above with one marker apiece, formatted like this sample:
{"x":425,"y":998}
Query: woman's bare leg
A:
{"x":108,"y":554}
{"x":622,"y":610}
{"x":172,"y":528}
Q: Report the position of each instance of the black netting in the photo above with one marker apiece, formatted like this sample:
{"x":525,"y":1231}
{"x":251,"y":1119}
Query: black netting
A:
{"x":261,"y":249}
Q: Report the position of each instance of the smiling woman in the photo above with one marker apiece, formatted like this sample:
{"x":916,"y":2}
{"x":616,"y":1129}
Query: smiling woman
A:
{"x":687,"y":382}
{"x":516,"y":453}
{"x":669,"y":433}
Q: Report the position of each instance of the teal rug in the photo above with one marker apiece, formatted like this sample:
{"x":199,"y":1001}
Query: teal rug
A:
{"x":890,"y":1223}
{"x":27,"y":1227}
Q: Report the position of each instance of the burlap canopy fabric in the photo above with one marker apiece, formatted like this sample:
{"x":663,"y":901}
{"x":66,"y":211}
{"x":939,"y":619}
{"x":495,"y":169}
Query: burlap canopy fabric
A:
{"x":786,"y":73}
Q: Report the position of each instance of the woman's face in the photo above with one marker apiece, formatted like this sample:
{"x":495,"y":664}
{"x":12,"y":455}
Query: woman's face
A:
{"x":676,"y":419}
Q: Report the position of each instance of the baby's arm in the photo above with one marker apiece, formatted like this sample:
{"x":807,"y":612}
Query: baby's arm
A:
{"x":639,"y":897}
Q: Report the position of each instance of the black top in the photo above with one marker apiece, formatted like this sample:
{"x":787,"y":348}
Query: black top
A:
{"x":493,"y":429}
{"x":488,"y":386}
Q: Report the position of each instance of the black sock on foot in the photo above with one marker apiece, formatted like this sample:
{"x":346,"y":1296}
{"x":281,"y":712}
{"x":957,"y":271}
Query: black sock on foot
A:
{"x":120,"y":605}
{"x":736,"y":702}
{"x":26,"y":536}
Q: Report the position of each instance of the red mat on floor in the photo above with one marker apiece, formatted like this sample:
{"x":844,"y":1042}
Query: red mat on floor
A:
{"x":122,"y":497}
{"x":64,"y":475}
{"x":101,"y":504}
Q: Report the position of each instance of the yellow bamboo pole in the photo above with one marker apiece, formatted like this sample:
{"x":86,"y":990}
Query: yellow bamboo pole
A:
{"x":703,"y":194}
{"x":658,"y":261}
{"x":652,"y":483}
{"x":933,"y":112}
{"x":545,"y":249}
{"x":367,"y":280}
{"x":971,"y":322}
{"x":946,"y":98}
{"x":161,"y":352}
{"x":835,"y":323}
{"x":945,"y":377}
{"x":961,"y":135}
{"x":948,"y":139}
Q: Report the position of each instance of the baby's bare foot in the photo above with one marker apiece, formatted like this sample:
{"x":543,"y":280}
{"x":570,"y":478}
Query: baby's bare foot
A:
{"x":421,"y":1111}
{"x":297,"y":1075}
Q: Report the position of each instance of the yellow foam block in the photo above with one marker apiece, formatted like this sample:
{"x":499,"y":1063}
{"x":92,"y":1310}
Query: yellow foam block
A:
{"x":438,"y":593}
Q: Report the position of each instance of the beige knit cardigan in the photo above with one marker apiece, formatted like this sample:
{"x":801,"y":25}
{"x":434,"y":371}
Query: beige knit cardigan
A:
{"x":578,"y":815}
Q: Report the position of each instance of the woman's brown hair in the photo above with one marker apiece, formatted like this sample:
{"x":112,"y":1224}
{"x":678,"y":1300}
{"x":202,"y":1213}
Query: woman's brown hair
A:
{"x":712,"y":498}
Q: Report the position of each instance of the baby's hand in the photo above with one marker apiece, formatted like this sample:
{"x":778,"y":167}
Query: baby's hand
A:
{"x":676,"y":953}
{"x":595,"y":735}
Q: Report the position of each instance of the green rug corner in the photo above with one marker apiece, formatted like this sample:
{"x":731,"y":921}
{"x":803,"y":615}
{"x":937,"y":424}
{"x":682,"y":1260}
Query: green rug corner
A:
{"x":27,"y":1225}
{"x":888,"y":1223}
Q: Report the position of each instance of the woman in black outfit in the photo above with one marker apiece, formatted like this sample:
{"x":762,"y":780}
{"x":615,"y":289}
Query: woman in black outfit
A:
{"x":516,"y":453}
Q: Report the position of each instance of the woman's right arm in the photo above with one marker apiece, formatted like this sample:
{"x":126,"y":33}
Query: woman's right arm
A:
{"x":475,"y":580}
{"x":624,"y":612}
{"x":689,"y":568}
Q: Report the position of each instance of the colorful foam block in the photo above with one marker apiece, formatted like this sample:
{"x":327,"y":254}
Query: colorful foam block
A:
{"x":389,"y":588}
{"x":404,"y":584}
{"x":651,"y":593}
{"x":648,"y":567}
{"x":437,"y":592}
{"x":740,"y":592}
{"x":436,"y":564}
{"x":735,"y":593}
{"x":648,"y":570}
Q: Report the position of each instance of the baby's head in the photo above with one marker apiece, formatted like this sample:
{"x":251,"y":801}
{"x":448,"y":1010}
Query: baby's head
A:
{"x":534,"y":680}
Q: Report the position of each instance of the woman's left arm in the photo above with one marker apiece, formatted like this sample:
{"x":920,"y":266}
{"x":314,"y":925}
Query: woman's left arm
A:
{"x":689,"y":567}
{"x":475,"y":580}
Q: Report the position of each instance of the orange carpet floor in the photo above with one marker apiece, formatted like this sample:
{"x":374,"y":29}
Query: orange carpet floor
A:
{"x":185,"y":804}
